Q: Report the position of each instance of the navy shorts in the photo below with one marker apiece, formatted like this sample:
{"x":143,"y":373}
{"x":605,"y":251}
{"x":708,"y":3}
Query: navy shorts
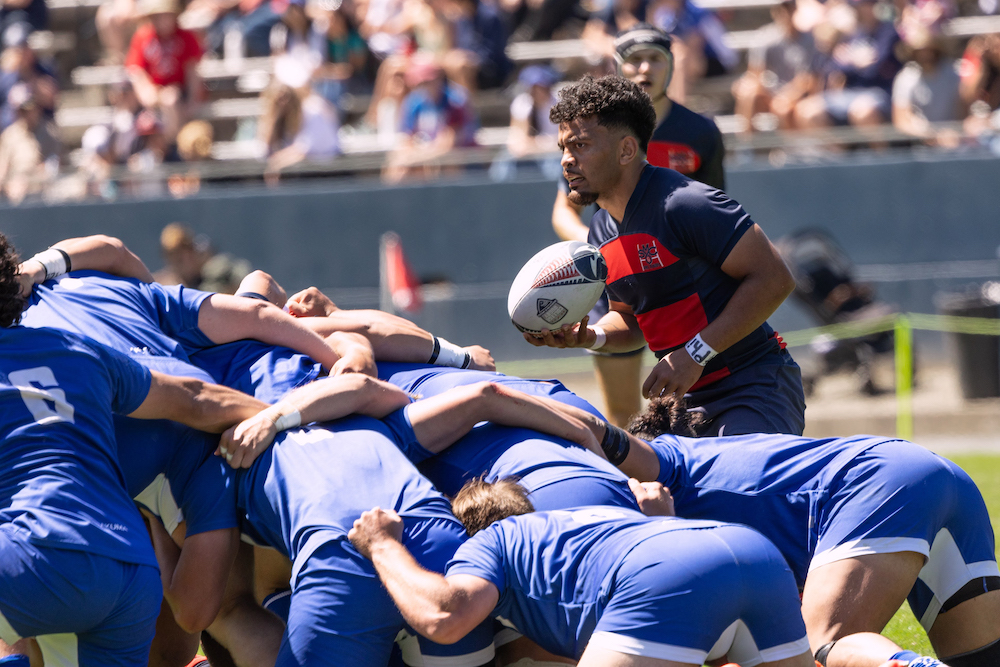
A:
{"x":700,"y":594}
{"x":766,"y":397}
{"x":899,"y":497}
{"x":94,"y":610}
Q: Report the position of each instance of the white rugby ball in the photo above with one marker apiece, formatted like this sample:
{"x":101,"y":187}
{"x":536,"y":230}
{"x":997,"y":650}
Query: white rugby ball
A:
{"x":559,"y":285}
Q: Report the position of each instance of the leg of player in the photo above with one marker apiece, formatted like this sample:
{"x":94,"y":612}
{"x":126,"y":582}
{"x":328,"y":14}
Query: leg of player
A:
{"x":172,"y":646}
{"x":620,"y":380}
{"x":850,"y":601}
{"x":968,"y":635}
{"x":23,"y":647}
{"x":250,"y":633}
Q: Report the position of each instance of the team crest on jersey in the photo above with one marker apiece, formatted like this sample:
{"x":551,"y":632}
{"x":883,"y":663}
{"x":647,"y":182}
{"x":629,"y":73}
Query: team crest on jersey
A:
{"x":649,"y":256}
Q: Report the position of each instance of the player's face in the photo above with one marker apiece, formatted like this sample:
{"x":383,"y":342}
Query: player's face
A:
{"x":590,"y":159}
{"x":648,"y":69}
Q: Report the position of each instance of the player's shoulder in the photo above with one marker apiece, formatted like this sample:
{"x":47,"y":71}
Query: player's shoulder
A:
{"x":682,"y":118}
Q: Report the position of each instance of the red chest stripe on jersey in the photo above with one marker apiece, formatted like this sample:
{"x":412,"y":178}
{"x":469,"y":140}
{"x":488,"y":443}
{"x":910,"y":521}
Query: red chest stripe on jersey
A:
{"x":706,"y":380}
{"x":635,"y":253}
{"x":781,"y":343}
{"x":679,"y":157}
{"x":673,"y":325}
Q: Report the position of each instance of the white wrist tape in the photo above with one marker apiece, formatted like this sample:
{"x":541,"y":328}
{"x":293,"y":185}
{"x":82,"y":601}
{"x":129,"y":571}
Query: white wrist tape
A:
{"x":700,"y":351}
{"x":54,"y":261}
{"x":284,"y":416}
{"x":448,"y":354}
{"x":602,"y":338}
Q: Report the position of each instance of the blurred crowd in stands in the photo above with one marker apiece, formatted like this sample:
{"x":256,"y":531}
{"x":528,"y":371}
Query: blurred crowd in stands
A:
{"x":415,"y":80}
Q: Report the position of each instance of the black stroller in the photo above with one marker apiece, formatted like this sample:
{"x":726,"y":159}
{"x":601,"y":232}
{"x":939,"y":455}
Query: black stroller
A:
{"x":825,"y":285}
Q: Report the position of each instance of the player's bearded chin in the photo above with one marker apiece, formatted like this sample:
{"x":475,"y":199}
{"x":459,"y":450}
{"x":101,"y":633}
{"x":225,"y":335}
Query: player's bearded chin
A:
{"x":580,"y":198}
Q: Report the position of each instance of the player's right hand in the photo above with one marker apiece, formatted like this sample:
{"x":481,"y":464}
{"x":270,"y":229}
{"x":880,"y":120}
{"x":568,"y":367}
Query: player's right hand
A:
{"x":654,"y":499}
{"x":310,"y":302}
{"x":29,"y":275}
{"x":243,"y":443}
{"x":374,"y":526}
{"x":570,"y":335}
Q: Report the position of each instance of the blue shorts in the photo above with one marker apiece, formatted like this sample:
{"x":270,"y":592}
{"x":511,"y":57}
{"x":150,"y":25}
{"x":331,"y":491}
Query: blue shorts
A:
{"x":765,"y":397}
{"x":696,"y":595}
{"x":110,"y":606}
{"x":338,"y":606}
{"x":900,"y":497}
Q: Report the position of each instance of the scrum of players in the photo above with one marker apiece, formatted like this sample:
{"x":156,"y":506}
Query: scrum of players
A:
{"x":289,"y":483}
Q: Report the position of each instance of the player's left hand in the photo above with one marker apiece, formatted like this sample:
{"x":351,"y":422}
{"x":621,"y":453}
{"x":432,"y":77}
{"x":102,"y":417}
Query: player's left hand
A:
{"x":674,"y":374}
{"x":374,"y":526}
{"x":243,"y":443}
{"x":310,"y":302}
{"x":355,"y":361}
{"x":29,"y":275}
{"x":654,"y":498}
{"x":482,"y":359}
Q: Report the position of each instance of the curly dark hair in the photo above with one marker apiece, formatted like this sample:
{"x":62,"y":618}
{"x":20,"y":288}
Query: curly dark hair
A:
{"x":617,"y":102}
{"x":665,"y":415}
{"x":11,"y":301}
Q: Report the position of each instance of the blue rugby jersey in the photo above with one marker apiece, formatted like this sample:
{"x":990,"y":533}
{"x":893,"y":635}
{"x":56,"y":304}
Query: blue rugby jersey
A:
{"x":556,"y":472}
{"x":60,"y":483}
{"x":258,"y":369}
{"x":773,"y":483}
{"x":555,"y":570}
{"x":147,"y":322}
{"x":664,"y":261}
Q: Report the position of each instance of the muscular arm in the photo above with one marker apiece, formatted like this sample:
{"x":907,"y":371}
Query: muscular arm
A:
{"x":322,"y":400}
{"x":194,"y":574}
{"x":441,"y":420}
{"x":96,"y":253}
{"x":442,"y":609}
{"x":224,"y":319}
{"x":198,"y":404}
{"x":566,"y":219}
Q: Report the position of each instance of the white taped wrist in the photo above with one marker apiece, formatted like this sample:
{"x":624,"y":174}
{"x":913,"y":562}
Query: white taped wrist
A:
{"x":700,"y":351}
{"x":602,"y":338}
{"x":449,"y":354}
{"x":284,"y":416}
{"x":54,"y":262}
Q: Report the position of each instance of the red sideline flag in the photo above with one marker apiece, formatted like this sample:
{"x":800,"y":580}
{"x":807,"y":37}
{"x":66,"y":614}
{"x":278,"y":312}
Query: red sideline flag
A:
{"x":400,"y":287}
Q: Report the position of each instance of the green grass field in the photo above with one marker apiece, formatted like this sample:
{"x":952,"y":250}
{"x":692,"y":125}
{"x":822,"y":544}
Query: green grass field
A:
{"x":985,"y":471}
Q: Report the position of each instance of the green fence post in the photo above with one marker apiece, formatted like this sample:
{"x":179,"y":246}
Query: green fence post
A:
{"x":904,"y":377}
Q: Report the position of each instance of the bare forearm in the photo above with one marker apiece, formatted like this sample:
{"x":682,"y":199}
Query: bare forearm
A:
{"x":622,"y":331}
{"x":225,"y":319}
{"x":200,"y":405}
{"x":336,"y":397}
{"x":422,"y":596}
{"x":757,"y":297}
{"x":566,"y":220}
{"x":392,"y":338}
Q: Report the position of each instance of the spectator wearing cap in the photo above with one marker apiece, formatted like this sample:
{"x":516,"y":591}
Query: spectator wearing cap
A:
{"x":780,"y":73}
{"x":437,"y":116}
{"x":20,"y":65}
{"x":161,"y":64}
{"x":29,"y":150}
{"x":531,"y":131}
{"x":858,"y":77}
{"x":926,"y":90}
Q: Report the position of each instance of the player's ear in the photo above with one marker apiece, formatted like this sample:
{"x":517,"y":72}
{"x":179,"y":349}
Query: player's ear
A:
{"x":628,"y":150}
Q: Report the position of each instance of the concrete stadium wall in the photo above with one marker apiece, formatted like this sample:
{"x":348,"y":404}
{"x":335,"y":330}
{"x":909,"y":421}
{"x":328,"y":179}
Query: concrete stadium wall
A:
{"x":471,"y":232}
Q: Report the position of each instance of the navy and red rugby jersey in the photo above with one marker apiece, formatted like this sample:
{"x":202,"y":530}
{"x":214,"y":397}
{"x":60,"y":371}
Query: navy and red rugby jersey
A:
{"x":691,"y":144}
{"x":664,"y":262}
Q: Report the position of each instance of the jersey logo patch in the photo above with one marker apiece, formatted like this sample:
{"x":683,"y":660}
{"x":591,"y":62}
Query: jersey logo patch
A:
{"x":679,"y":157}
{"x":649,"y":256}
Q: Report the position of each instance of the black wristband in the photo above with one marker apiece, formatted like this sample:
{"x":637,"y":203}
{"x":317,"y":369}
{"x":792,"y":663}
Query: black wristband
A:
{"x":436,"y":351}
{"x":468,"y":360}
{"x":615,"y":444}
{"x":69,"y":263}
{"x":823,"y":652}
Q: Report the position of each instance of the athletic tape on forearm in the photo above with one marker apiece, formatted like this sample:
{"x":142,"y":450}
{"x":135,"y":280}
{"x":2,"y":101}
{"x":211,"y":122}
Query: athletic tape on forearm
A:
{"x":602,"y":338}
{"x":615,"y":444}
{"x":700,"y":351}
{"x":446,"y":353}
{"x":56,"y":262}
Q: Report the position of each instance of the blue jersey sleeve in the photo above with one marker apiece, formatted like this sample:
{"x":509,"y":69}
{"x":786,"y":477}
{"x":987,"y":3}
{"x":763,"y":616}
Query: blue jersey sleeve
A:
{"x":707,"y":221}
{"x":130,"y":381}
{"x":482,"y":556}
{"x":209,"y":497}
{"x":177,"y":308}
{"x":671,"y":462}
{"x":404,"y":437}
